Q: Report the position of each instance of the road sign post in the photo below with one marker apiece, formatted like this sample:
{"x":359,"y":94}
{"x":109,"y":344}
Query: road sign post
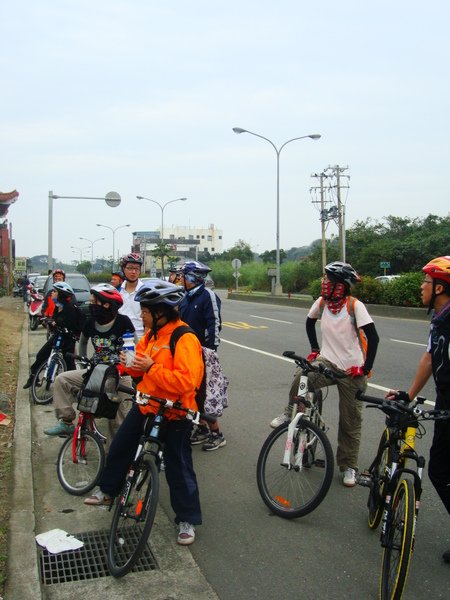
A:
{"x":236,"y":264}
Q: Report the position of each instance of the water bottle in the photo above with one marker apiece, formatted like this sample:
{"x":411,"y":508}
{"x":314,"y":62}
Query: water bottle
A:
{"x":128,"y":347}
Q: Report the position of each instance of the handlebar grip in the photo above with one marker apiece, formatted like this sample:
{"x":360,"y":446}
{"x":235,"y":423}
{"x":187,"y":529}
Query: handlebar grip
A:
{"x":126,"y":390}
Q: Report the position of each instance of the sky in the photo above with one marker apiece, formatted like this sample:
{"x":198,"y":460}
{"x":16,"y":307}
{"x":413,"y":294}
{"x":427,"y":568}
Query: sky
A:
{"x":140,"y":97}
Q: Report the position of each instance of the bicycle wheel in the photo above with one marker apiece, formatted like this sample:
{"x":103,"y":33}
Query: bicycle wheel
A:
{"x":80,"y":463}
{"x":133,"y":519}
{"x":375,"y":501}
{"x":399,"y":541}
{"x":295,"y":489}
{"x":42,"y":386}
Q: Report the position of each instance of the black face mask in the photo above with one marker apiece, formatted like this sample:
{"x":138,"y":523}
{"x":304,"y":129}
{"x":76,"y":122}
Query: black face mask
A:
{"x":101,"y":314}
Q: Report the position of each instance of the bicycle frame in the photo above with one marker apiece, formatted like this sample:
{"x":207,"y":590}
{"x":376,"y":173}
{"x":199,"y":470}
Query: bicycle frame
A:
{"x":86,"y":421}
{"x":49,"y":373}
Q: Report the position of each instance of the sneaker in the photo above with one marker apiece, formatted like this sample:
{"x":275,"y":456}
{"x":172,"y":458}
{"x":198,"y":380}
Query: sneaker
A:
{"x":446,"y":556}
{"x":186,"y":535}
{"x":214,"y":442}
{"x":199,"y":435}
{"x":28,"y":382}
{"x":349,"y":477}
{"x":98,"y":498}
{"x":280,"y":420}
{"x":60,"y":428}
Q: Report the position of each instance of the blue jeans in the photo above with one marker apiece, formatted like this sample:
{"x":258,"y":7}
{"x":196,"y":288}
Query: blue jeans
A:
{"x":179,"y":470}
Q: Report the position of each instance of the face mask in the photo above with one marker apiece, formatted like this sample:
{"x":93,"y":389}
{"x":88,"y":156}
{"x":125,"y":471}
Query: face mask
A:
{"x":101,"y":314}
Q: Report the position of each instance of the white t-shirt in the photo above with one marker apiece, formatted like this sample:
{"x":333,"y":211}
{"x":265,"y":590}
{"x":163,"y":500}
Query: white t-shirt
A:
{"x":131,"y":308}
{"x":340,"y":344}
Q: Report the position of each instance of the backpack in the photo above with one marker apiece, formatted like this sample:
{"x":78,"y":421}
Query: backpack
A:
{"x":362,"y":339}
{"x":98,"y":390}
{"x":212,"y":395}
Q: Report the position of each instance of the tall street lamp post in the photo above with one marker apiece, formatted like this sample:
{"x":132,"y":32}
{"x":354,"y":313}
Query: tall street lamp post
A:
{"x":162,"y":207}
{"x":92,"y":242}
{"x":113,"y":230}
{"x":112,"y":199}
{"x":313,"y":136}
{"x":80,"y":250}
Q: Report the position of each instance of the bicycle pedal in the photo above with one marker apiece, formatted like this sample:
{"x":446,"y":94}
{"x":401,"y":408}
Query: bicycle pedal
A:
{"x":364,"y":479}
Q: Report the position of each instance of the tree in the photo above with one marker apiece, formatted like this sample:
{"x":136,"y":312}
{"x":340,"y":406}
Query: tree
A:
{"x":270,"y":256}
{"x":84,"y":267}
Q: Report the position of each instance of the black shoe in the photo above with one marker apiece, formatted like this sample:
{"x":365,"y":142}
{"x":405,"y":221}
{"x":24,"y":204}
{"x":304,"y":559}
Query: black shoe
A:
{"x":446,"y":556}
{"x":28,"y":382}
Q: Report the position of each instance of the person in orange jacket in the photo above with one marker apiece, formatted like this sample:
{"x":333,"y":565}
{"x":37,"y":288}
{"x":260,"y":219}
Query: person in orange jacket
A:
{"x":174,"y":377}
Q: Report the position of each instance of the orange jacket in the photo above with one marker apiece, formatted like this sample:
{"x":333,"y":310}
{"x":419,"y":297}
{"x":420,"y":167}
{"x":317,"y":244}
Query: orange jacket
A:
{"x":174,"y":378}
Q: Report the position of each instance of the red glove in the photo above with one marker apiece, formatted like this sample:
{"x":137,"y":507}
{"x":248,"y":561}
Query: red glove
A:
{"x":312,"y":356}
{"x":355,"y":372}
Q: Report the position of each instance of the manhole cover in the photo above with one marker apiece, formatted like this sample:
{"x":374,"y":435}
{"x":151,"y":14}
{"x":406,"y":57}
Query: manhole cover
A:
{"x":89,"y":562}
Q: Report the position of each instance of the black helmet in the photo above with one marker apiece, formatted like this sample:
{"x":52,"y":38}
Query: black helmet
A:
{"x":342,"y":272}
{"x":159,"y":291}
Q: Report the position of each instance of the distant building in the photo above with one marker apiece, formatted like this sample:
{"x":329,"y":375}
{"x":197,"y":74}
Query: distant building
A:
{"x":186,"y":242}
{"x":7,"y":245}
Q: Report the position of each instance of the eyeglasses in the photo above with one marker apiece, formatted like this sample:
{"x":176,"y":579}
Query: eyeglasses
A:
{"x":137,"y":269}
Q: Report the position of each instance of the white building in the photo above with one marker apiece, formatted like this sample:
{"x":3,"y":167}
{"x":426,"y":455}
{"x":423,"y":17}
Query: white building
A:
{"x":186,"y":242}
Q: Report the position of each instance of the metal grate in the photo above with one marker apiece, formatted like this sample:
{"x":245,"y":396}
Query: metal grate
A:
{"x":89,"y":562}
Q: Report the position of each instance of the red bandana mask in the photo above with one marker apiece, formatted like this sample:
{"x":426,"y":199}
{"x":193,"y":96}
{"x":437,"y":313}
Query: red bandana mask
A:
{"x":334,"y":295}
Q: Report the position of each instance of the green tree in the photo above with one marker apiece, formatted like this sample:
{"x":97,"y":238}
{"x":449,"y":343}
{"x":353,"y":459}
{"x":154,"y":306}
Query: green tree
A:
{"x":84,"y":267}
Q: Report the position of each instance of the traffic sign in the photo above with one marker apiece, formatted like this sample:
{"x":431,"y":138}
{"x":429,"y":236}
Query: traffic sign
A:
{"x":385,"y":265}
{"x":112,"y":199}
{"x":236,"y":263}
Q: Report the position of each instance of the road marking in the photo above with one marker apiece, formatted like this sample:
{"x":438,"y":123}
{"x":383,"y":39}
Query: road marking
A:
{"x":275,"y":320}
{"x":412,"y":343}
{"x":372,"y":385}
{"x":242,"y":325}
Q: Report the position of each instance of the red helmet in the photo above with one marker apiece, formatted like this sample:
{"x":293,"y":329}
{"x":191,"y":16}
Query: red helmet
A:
{"x":107,"y":293}
{"x":58,"y":272}
{"x":133,"y":257}
{"x":438,"y":268}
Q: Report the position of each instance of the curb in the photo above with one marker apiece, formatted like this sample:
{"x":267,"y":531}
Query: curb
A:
{"x":23,"y":573}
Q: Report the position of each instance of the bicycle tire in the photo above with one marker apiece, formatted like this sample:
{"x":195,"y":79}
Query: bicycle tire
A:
{"x":42,"y":388}
{"x":399,"y":541}
{"x":375,"y":501}
{"x":80,"y":476}
{"x":133,"y":519}
{"x":294,"y":492}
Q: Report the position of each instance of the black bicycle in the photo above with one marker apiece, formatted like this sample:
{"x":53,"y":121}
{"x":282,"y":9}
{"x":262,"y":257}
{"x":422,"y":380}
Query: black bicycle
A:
{"x":135,"y":507}
{"x":394,"y":480}
{"x":295,"y":465}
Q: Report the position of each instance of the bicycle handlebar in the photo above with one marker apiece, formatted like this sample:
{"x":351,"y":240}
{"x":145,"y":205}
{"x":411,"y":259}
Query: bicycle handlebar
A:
{"x":399,"y":406}
{"x":308,"y":367}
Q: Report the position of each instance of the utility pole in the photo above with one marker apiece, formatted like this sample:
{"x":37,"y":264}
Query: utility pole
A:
{"x":338,"y":172}
{"x":323,"y":216}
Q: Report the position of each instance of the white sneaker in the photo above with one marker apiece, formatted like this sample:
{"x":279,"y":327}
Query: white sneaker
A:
{"x":349,"y":478}
{"x":186,"y":534}
{"x":279,"y":421}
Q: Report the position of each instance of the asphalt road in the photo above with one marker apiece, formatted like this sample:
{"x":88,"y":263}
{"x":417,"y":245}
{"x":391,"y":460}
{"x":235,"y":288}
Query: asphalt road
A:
{"x":244,"y":551}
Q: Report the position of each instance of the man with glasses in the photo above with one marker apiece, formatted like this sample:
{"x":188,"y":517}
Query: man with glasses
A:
{"x":131,"y":265}
{"x":435,"y":293}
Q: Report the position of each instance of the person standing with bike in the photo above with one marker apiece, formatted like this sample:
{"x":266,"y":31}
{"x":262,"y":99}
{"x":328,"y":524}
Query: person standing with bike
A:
{"x":105,"y":328}
{"x":163,"y":375}
{"x":341,"y":317}
{"x":66,"y":315}
{"x":131,"y":265}
{"x":435,"y":293}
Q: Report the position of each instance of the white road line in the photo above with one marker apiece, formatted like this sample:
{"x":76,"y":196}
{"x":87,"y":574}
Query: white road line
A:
{"x":412,"y":343}
{"x":372,"y":385}
{"x":268,"y":319}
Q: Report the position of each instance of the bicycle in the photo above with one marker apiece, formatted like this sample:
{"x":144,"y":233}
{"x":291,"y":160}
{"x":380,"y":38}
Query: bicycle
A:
{"x":44,"y":378}
{"x":295,"y":465}
{"x":135,"y":507}
{"x":81,"y":458}
{"x":395,"y":486}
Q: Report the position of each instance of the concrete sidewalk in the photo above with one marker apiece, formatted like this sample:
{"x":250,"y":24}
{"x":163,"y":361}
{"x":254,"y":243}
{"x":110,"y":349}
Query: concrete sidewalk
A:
{"x":40,"y":504}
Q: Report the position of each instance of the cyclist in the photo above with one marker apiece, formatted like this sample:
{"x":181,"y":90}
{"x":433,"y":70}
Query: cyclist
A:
{"x":48,"y":306}
{"x":66,"y":315}
{"x":175,"y":274}
{"x":435,"y":293}
{"x":105,"y":328}
{"x":162,"y":375}
{"x":131,"y":267}
{"x":200,"y":309}
{"x":117,"y":278}
{"x":341,"y":350}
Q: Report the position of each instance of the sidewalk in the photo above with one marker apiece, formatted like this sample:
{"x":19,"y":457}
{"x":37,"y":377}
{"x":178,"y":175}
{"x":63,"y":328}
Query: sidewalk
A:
{"x":40,"y":504}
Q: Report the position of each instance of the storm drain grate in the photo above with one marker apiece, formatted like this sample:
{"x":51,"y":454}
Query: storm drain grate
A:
{"x":89,"y":562}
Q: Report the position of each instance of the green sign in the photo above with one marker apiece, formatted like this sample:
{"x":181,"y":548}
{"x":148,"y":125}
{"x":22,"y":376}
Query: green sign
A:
{"x":385,"y":265}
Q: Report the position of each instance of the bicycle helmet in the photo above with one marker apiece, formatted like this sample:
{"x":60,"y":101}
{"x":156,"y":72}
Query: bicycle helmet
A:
{"x":133,"y":257}
{"x":342,"y":272}
{"x":195,"y":272}
{"x":438,"y":268}
{"x":118,"y":274}
{"x":107,"y":293}
{"x":159,"y":291}
{"x":59,"y":272}
{"x":64,"y":289}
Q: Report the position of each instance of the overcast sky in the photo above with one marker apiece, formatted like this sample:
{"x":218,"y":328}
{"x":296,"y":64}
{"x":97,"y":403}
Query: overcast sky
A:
{"x":140,"y":97}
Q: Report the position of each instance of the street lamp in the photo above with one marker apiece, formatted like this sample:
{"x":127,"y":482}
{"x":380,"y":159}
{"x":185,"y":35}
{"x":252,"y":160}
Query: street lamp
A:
{"x":92,"y":242}
{"x":113,"y":238}
{"x":162,"y":207}
{"x":112,"y":199}
{"x":80,"y":250}
{"x":313,"y":136}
